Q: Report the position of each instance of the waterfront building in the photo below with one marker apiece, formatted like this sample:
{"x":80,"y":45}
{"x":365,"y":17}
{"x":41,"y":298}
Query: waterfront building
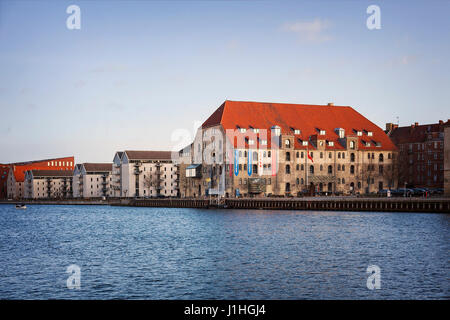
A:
{"x":54,"y":184}
{"x":421,"y":154}
{"x":4,"y":169}
{"x":92,"y":180}
{"x":447,"y":159}
{"x":16,"y":173}
{"x":146,"y":174}
{"x":116,"y":174}
{"x":262,"y":149}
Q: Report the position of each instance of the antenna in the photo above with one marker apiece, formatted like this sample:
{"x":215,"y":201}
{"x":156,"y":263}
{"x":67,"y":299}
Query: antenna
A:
{"x":398,"y":121}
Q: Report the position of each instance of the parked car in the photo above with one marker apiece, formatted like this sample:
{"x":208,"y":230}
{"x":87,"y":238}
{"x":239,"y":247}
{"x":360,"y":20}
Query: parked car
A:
{"x":405,"y":192}
{"x":384,"y":193}
{"x":419,"y":192}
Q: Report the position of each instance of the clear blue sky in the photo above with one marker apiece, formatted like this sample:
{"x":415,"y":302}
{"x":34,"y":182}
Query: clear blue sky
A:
{"x":138,"y":70}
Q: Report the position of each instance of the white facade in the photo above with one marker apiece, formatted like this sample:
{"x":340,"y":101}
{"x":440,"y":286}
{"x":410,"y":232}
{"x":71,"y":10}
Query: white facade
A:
{"x":92,"y":180}
{"x":147,"y":174}
{"x":47,"y":184}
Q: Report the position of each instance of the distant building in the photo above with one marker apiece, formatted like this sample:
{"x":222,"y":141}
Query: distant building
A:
{"x":92,"y":180}
{"x":447,"y":159}
{"x":16,"y":173}
{"x":53,"y":184}
{"x":261,"y":149}
{"x":145,"y":174}
{"x":4,"y":169}
{"x":421,"y":154}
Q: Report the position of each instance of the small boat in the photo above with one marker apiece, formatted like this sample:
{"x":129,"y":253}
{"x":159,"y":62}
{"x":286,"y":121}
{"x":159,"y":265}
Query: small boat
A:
{"x":21,"y":206}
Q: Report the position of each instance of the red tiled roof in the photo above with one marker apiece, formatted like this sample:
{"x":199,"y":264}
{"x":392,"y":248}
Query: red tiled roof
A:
{"x":20,"y":169}
{"x":417,"y":133}
{"x":307,"y":118}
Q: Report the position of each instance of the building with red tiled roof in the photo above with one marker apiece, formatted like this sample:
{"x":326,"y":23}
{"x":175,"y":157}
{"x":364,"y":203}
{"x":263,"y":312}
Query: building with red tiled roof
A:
{"x":259,"y":148}
{"x":16,"y":174}
{"x":421,"y":153}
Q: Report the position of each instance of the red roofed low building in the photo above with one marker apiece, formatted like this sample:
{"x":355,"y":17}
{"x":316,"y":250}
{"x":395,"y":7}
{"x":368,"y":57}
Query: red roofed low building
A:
{"x":16,"y":174}
{"x":421,"y":154}
{"x":257,"y":149}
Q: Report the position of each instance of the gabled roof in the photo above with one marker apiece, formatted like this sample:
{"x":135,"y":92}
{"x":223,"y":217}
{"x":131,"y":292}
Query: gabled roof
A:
{"x":52,"y":173}
{"x":97,"y":167}
{"x":309,"y":119}
{"x":148,"y":155}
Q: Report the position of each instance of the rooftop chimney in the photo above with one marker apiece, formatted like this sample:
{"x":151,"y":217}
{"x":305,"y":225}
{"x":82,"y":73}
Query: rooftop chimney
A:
{"x":330,"y":104}
{"x":441,"y":121}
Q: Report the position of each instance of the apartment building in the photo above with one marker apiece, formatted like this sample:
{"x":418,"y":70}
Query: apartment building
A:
{"x":421,"y":154}
{"x":92,"y":180}
{"x":16,"y":173}
{"x":116,"y":174}
{"x":145,"y":174}
{"x":260,"y":149}
{"x":447,"y":159}
{"x":54,"y":184}
{"x":4,"y":169}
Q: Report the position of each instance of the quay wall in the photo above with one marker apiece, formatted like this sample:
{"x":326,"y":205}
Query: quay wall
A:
{"x":316,"y":204}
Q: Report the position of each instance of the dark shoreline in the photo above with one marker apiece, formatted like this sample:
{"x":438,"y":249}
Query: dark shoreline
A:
{"x":429,"y":205}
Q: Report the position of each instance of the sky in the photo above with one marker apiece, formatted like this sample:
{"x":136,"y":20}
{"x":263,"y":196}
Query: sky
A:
{"x":137,"y":75}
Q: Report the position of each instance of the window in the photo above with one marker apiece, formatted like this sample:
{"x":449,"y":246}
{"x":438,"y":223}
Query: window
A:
{"x":321,"y":155}
{"x":305,"y":143}
{"x":302,"y":155}
{"x":296,"y":131}
{"x":255,"y":130}
{"x":297,"y":167}
{"x":297,"y":155}
{"x":322,"y":132}
{"x":287,"y":142}
{"x":352,"y":144}
{"x":369,"y":133}
{"x":330,"y":143}
{"x":288,"y":156}
{"x":288,"y":169}
{"x":381,"y":157}
{"x":242,"y":130}
{"x":352,"y":169}
{"x":251,"y":142}
{"x":352,"y":157}
{"x":311,"y":169}
{"x":264,"y":142}
{"x":329,"y":155}
{"x":330,"y":170}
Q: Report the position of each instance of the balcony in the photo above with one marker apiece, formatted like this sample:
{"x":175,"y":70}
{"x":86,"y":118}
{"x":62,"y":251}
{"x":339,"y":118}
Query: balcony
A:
{"x":137,"y":171}
{"x":104,"y":182}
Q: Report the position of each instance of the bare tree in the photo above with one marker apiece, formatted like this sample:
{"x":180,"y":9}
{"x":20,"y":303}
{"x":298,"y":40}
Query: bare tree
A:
{"x":150,"y":181}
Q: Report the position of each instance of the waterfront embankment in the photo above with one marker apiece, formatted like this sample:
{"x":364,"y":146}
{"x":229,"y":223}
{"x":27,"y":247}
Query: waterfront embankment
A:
{"x":430,"y":205}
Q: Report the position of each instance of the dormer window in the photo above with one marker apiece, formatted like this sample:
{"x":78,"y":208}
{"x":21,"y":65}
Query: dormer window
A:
{"x":251,"y":142}
{"x":340,"y":132}
{"x":242,"y":130}
{"x":287,"y":142}
{"x":352,"y":144}
{"x":359,"y":133}
{"x":264,"y":142}
{"x":370,"y":133}
{"x":320,"y":143}
{"x":296,"y":131}
{"x":331,"y":143}
{"x":304,"y":143}
{"x":322,"y":132}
